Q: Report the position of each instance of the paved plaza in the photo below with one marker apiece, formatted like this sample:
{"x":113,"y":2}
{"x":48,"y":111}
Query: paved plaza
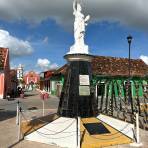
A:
{"x":32,"y":108}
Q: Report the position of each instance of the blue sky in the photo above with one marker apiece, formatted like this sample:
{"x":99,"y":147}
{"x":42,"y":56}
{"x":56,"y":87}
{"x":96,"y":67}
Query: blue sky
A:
{"x":50,"y":38}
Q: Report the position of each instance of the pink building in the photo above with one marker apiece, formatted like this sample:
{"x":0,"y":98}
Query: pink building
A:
{"x":31,"y":77}
{"x":5,"y":86}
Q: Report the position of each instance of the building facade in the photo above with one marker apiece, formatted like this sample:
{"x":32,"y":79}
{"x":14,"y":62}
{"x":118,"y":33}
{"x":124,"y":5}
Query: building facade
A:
{"x":5,"y":87}
{"x":110,"y":73}
{"x":31,"y":80}
{"x":49,"y":83}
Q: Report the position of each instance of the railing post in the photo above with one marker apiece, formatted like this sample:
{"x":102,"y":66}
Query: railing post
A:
{"x":19,"y":123}
{"x":17,"y":113}
{"x":137,"y":143}
{"x":137,"y":128}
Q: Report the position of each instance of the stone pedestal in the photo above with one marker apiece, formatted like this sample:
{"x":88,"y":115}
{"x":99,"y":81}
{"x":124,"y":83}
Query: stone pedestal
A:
{"x":77,"y":97}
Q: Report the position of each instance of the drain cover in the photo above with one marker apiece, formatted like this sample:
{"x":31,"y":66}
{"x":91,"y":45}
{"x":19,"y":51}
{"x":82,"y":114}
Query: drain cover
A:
{"x":96,"y":128}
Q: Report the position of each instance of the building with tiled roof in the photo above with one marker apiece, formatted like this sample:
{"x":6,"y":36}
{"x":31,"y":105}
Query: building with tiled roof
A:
{"x":113,"y":68}
{"x":4,"y":73}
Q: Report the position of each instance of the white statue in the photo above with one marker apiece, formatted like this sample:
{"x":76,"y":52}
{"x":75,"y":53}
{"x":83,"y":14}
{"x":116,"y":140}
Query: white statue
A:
{"x":79,"y":30}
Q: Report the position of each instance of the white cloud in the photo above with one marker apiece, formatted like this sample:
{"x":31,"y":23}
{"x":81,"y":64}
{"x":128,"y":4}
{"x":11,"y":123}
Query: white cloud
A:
{"x":16,"y":46}
{"x":45,"y":64}
{"x":130,"y":12}
{"x":144,"y":58}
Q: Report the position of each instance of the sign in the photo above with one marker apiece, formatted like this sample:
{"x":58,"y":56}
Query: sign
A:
{"x":84,"y":79}
{"x":84,"y":90}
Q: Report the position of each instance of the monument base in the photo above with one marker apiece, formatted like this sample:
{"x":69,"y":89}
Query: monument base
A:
{"x":77,"y":97}
{"x":81,"y":132}
{"x":83,"y":49}
{"x":62,"y":132}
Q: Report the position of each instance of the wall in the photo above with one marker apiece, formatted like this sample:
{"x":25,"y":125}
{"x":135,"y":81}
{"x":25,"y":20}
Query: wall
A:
{"x":5,"y":86}
{"x":116,"y":81}
{"x":1,"y":85}
{"x":118,"y":84}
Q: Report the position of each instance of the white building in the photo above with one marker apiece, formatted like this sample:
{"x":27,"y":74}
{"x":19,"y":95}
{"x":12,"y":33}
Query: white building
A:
{"x":20,"y":75}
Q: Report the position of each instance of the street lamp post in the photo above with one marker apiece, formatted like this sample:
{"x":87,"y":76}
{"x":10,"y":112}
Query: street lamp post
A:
{"x":129,"y":39}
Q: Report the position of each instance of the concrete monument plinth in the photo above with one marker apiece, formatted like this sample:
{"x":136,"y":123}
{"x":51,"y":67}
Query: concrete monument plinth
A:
{"x":77,"y":98}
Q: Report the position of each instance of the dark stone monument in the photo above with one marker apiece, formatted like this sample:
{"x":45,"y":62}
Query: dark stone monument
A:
{"x":77,"y":97}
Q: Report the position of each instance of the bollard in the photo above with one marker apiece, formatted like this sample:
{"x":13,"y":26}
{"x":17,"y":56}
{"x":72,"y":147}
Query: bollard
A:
{"x":19,"y":123}
{"x":17,"y":113}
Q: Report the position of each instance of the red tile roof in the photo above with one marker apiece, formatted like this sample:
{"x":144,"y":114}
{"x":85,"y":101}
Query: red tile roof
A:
{"x":112,"y":66}
{"x":62,"y":69}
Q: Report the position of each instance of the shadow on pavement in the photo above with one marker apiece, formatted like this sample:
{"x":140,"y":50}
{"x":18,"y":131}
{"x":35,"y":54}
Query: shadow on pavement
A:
{"x":6,"y":114}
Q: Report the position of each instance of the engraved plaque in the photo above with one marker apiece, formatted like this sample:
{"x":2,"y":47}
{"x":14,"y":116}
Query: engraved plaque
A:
{"x":84,"y":79}
{"x":84,"y":90}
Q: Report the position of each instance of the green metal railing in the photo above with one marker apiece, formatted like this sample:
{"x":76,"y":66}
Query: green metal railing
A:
{"x":121,"y":98}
